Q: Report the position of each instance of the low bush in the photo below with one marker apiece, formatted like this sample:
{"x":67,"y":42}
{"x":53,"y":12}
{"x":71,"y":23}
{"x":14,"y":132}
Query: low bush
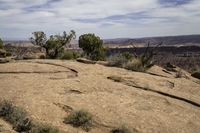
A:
{"x":134,"y":65}
{"x":20,"y":120}
{"x":122,"y":129}
{"x":15,"y":115}
{"x":127,"y":55}
{"x":127,"y":61}
{"x":117,"y":60}
{"x":69,"y":55}
{"x":80,"y":118}
{"x":43,"y":128}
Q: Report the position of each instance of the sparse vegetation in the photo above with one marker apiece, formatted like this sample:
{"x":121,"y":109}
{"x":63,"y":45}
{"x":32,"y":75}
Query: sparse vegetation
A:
{"x":133,"y":61}
{"x":116,"y":60}
{"x":43,"y":128}
{"x":16,"y":116}
{"x":69,"y":55}
{"x":179,"y":74}
{"x":54,"y":45}
{"x":122,"y":129}
{"x":92,"y":46}
{"x":1,"y":44}
{"x":20,"y":120}
{"x":80,"y":118}
{"x":190,"y":64}
{"x":135,"y":65}
{"x":127,"y":55}
{"x":119,"y":60}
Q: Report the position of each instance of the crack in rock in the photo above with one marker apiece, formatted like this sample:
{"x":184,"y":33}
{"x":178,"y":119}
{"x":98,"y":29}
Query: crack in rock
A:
{"x":154,"y":91}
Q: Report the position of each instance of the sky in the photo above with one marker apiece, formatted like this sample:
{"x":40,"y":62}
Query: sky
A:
{"x":105,"y":18}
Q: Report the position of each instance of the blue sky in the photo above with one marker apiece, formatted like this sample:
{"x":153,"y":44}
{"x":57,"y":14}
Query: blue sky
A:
{"x":108,"y":19}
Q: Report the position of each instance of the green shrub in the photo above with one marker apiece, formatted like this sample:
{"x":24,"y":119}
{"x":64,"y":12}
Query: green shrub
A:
{"x":54,"y":44}
{"x":43,"y":128}
{"x":117,"y":60}
{"x":146,"y":60}
{"x":134,"y":65}
{"x":15,"y":115}
{"x":128,"y":61}
{"x":69,"y":55}
{"x":92,"y":46}
{"x":23,"y":125}
{"x":127,"y":55}
{"x":6,"y":108}
{"x":20,"y":121}
{"x":122,"y":129}
{"x":81,"y":119}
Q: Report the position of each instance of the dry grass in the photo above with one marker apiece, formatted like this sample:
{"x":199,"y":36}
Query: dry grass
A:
{"x":80,"y":118}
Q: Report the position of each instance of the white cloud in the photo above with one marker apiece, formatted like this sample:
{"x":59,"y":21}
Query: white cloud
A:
{"x":109,"y":19}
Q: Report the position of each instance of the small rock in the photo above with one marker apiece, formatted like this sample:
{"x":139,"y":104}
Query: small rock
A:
{"x":196,"y":75}
{"x":86,"y":61}
{"x":4,"y":60}
{"x":169,"y":65}
{"x":2,"y":53}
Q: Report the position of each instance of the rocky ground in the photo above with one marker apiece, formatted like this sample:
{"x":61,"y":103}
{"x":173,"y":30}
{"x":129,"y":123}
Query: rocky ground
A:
{"x":152,"y":102}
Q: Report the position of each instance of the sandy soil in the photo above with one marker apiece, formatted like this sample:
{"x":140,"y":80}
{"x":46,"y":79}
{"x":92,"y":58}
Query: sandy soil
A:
{"x":153,"y":102}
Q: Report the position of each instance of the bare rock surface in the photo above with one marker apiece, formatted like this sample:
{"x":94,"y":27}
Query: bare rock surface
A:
{"x":151,"y":102}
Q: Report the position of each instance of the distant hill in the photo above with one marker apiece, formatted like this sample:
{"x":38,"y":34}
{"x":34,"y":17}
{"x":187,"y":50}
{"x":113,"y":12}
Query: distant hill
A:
{"x":185,"y":40}
{"x":167,"y":40}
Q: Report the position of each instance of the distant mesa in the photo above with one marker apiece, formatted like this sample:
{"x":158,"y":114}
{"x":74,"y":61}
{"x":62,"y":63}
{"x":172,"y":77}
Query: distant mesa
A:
{"x":184,"y":40}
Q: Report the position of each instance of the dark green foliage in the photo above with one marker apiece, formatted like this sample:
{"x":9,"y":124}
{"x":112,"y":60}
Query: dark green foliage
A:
{"x":54,"y":45}
{"x":139,"y":64}
{"x":92,"y":46}
{"x":146,"y":60}
{"x":1,"y":44}
{"x":81,"y":119}
{"x":127,"y":55}
{"x":6,"y":108}
{"x":15,"y":115}
{"x":43,"y":128}
{"x":23,"y":125}
{"x":69,"y":55}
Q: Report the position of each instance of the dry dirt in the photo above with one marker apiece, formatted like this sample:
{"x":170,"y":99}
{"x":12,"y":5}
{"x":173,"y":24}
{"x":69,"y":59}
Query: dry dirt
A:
{"x":153,"y":102}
